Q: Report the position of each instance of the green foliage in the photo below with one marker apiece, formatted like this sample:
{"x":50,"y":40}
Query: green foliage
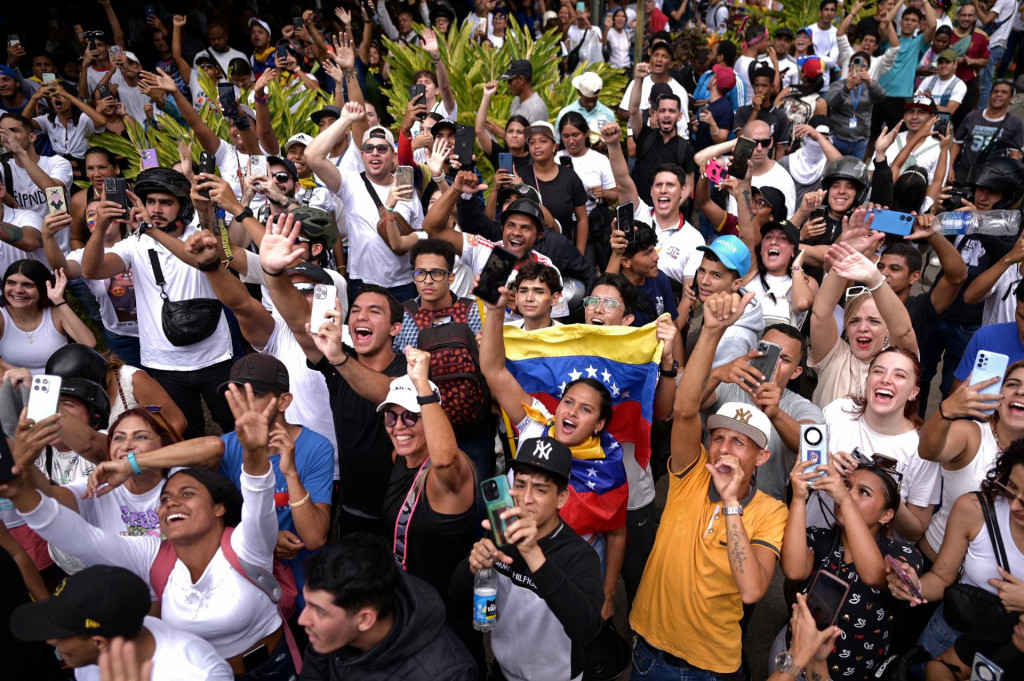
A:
{"x":470,"y":66}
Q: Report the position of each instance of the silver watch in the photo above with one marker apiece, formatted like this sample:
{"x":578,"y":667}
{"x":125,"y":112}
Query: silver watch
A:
{"x":784,"y":663}
{"x":732,"y":510}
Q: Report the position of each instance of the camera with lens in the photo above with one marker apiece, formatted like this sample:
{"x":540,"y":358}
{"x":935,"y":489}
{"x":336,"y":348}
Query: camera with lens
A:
{"x":490,"y":490}
{"x":956,"y":200}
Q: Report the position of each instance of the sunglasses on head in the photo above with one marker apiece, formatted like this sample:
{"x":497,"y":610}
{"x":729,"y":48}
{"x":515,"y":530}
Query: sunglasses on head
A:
{"x":379,"y":148}
{"x":855,"y":291}
{"x":282,"y":177}
{"x":888,"y":465}
{"x":436,"y":274}
{"x":409,"y":418}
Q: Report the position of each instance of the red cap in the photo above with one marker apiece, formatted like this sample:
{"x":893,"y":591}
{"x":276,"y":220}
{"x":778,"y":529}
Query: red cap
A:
{"x":812,"y":68}
{"x":725,"y":77}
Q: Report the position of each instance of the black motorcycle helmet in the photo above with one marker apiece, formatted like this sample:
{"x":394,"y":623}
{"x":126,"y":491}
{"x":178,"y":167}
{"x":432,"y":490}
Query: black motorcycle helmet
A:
{"x":167,"y":181}
{"x":1001,"y":174}
{"x":847,"y":168}
{"x":93,"y":395}
{"x":78,"y":361}
{"x":528,"y":208}
{"x":518,"y":191}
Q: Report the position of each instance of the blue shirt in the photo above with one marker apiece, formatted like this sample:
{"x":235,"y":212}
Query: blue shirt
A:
{"x":899,"y":80}
{"x":1001,"y":338}
{"x":702,"y":91}
{"x":659,"y":291}
{"x":599,"y":111}
{"x":314,"y":462}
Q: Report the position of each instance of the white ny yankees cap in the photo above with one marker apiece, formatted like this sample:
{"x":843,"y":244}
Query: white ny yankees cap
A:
{"x":743,"y":418}
{"x":546,"y":454}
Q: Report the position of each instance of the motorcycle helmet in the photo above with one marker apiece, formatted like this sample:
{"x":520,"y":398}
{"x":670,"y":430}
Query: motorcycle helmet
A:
{"x":167,"y":181}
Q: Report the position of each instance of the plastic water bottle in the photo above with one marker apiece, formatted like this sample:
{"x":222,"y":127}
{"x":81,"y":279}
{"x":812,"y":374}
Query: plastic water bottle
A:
{"x":989,"y":222}
{"x":485,"y":600}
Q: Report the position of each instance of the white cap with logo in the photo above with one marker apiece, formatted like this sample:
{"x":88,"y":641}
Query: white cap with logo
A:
{"x":745,"y":419}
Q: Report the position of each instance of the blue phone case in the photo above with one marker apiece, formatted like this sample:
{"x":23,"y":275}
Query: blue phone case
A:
{"x":892,"y":222}
{"x":989,"y":365}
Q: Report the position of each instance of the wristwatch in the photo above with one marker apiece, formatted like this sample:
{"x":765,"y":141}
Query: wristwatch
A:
{"x":732,"y":510}
{"x":246,"y":213}
{"x":432,"y":398}
{"x":784,"y":663}
{"x":670,"y":373}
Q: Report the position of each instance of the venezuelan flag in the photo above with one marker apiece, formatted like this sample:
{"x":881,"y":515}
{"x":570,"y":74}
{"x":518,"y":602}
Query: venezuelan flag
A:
{"x":625,"y":360}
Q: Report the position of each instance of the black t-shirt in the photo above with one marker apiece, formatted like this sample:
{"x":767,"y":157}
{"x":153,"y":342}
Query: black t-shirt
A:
{"x":651,"y":152}
{"x":436,"y":542}
{"x":560,"y":196}
{"x":922,"y":314}
{"x":364,"y":448}
{"x":518,"y":162}
{"x":774,"y":117}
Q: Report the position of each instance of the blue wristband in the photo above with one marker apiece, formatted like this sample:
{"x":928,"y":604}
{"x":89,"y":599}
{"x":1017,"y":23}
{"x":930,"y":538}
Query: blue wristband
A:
{"x":133,"y":463}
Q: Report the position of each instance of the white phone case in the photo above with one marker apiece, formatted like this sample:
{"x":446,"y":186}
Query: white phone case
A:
{"x":258,"y":166}
{"x":324,"y":300}
{"x":43,"y":396}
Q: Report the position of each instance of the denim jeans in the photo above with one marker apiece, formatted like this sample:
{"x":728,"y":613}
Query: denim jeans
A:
{"x":995,"y":55}
{"x":649,"y":664}
{"x":186,"y":388}
{"x":125,"y":347}
{"x":946,"y":338}
{"x":938,"y":636}
{"x":856,"y":148}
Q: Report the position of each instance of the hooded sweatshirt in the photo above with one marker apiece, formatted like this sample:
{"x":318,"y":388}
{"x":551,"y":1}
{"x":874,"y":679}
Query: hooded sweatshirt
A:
{"x":741,"y":337}
{"x":418,"y":648}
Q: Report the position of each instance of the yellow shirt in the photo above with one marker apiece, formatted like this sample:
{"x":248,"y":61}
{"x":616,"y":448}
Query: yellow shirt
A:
{"x":688,"y":603}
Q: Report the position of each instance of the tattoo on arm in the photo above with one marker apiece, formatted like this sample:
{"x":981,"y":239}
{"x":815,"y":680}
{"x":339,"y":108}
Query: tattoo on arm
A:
{"x":738,"y":554}
{"x":11,"y":233}
{"x":746,"y":200}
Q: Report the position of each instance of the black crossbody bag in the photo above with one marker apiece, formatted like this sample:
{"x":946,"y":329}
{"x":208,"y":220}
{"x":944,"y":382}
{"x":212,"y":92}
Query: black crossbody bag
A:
{"x":185,"y":322}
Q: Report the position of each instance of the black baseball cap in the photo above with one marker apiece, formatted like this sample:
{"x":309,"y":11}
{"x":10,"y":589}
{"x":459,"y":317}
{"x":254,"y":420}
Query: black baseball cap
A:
{"x":330,"y":110}
{"x":784,"y":32}
{"x":546,"y":454}
{"x":442,"y":124}
{"x":265,"y":373}
{"x":791,"y":231}
{"x":289,"y":166}
{"x":663,"y":45}
{"x":776,"y":199}
{"x":101,"y":600}
{"x":311,"y":270}
{"x":519,"y":67}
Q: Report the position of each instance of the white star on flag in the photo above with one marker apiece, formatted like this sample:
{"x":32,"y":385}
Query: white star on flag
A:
{"x":575,"y":374}
{"x":591,"y":484}
{"x":561,"y":388}
{"x":606,"y":376}
{"x":591,"y":472}
{"x":615,"y":390}
{"x":591,"y":371}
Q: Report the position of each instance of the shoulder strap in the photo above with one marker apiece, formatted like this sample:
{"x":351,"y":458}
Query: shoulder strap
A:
{"x":260,"y":577}
{"x":8,"y":179}
{"x":994,"y":535}
{"x":412,"y":307}
{"x":373,"y":192}
{"x":160,"y":570}
{"x":400,"y":547}
{"x":158,"y":272}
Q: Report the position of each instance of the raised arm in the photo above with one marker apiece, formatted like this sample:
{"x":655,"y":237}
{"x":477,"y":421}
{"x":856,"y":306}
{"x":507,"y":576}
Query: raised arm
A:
{"x":443,"y":84}
{"x":504,"y":386}
{"x":611,"y":133}
{"x":161,"y":81}
{"x":952,"y":265}
{"x":436,"y":223}
{"x":95,"y":263}
{"x":636,"y":119}
{"x":264,"y":127}
{"x":982,"y":286}
{"x":483,"y":138}
{"x":184,"y":67}
{"x":824,"y":334}
{"x":721,"y":311}
{"x":201,"y":452}
{"x":930,"y":21}
{"x":316,"y":153}
{"x":115,"y":24}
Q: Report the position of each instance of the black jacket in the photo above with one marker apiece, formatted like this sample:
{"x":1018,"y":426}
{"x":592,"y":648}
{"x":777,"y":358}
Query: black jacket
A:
{"x":419,"y":647}
{"x":563,"y":254}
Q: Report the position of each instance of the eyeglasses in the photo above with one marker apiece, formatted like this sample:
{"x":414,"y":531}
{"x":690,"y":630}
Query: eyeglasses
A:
{"x":764,"y":143}
{"x":758,"y":202}
{"x":282,"y":177}
{"x":304,"y":287}
{"x":379,"y":148}
{"x":1009,"y":495}
{"x":436,"y":274}
{"x":594,"y":301}
{"x":409,"y":418}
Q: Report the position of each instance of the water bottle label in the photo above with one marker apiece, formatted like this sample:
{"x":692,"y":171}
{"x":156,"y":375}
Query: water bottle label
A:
{"x":485,"y":607}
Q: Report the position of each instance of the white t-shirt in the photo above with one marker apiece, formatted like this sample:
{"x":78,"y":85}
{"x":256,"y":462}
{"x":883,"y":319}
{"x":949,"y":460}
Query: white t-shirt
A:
{"x":114,"y":295}
{"x":10,"y":254}
{"x":95,"y":76}
{"x":619,"y":44}
{"x":922,"y":480}
{"x":182,"y":283}
{"x":179,"y":656}
{"x":223,"y":58}
{"x":71,"y":139}
{"x":134,"y":102}
{"x":645,"y":100}
{"x":594,"y":170}
{"x":31,"y":197}
{"x":1000,"y":301}
{"x":777,"y":177}
{"x":233,"y":165}
{"x":955,"y":88}
{"x":825,"y":44}
{"x":1005,"y":11}
{"x":369,"y":258}
{"x":476,"y":250}
{"x":925,"y":156}
{"x":742,"y":69}
{"x":678,"y":256}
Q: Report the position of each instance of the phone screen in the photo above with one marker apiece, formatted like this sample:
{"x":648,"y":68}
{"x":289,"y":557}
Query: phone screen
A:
{"x":496,"y":271}
{"x":741,"y":157}
{"x":825,"y":598}
{"x":228,"y":103}
{"x":624,"y":218}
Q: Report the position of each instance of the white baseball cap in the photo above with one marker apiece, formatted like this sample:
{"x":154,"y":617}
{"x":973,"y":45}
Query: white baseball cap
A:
{"x":301,"y":138}
{"x":743,"y":418}
{"x":589,"y":84}
{"x":404,"y":394}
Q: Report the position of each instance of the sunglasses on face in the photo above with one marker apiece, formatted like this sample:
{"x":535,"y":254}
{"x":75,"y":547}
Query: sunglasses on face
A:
{"x":435,"y":274}
{"x":764,"y":143}
{"x":595,"y":301}
{"x":1009,"y":495}
{"x":282,"y":177}
{"x":409,"y":418}
{"x":379,"y":148}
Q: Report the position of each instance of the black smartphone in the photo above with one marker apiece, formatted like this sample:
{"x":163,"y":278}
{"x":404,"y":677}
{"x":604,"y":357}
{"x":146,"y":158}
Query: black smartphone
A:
{"x":565,"y":160}
{"x":464,"y":138}
{"x":942,"y":124}
{"x":768,"y":362}
{"x":6,"y":459}
{"x":825,"y":598}
{"x":282,"y":52}
{"x":116,"y":191}
{"x":255,"y":657}
{"x":495,"y":273}
{"x":741,"y":157}
{"x":228,"y":103}
{"x":297,"y":22}
{"x":624,"y":217}
{"x":207,"y":164}
{"x":417,"y":90}
{"x":104,"y":91}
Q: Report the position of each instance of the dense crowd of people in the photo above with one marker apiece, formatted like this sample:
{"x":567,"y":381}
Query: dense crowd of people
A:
{"x":647,"y":347}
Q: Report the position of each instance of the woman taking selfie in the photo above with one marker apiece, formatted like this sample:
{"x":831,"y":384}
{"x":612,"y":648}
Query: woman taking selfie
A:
{"x":515,"y":134}
{"x":873,"y":318}
{"x":884,"y":421}
{"x":966,"y":440}
{"x":968,"y":553}
{"x":35,"y":320}
{"x":560,"y":188}
{"x":203,"y":593}
{"x":99,"y":165}
{"x":853,"y":549}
